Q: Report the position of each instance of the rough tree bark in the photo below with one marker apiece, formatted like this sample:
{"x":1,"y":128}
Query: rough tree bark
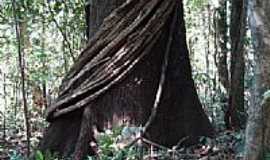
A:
{"x":5,"y":106}
{"x":258,"y":129}
{"x":179,"y":113}
{"x":221,"y":52}
{"x":222,"y":40}
{"x":235,"y":114}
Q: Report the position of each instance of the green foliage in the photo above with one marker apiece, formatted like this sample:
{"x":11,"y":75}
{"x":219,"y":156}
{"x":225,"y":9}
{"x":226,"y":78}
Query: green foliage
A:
{"x":196,"y":4}
{"x":16,"y":156}
{"x":46,"y":156}
{"x":234,"y":141}
{"x":46,"y":60}
{"x":39,"y":156}
{"x":266,"y":95}
{"x":109,"y":146}
{"x":128,"y":154}
{"x":267,"y":156}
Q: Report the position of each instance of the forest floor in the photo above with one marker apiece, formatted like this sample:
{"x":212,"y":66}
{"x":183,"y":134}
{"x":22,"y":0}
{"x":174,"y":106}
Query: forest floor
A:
{"x":227,"y":145}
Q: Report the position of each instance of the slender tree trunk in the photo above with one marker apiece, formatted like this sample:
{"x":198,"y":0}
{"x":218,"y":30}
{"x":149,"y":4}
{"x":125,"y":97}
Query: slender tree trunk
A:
{"x":222,"y":40}
{"x":19,"y":36}
{"x":15,"y":95}
{"x":235,"y":115}
{"x":5,"y":106}
{"x":44,"y":62}
{"x":221,"y":53}
{"x":207,"y":34}
{"x":258,"y":129}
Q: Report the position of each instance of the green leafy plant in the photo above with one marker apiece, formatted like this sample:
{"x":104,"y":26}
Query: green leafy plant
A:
{"x":16,"y":156}
{"x":39,"y":156}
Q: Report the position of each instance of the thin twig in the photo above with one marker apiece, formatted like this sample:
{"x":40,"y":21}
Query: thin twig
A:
{"x":180,"y":142}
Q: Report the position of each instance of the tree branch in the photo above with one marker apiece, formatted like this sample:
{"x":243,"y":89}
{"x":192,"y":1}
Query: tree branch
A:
{"x":62,"y":33}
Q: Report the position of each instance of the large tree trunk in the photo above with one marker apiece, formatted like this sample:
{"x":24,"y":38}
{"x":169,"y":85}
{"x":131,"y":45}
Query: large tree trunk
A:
{"x":179,"y":113}
{"x":258,"y":129}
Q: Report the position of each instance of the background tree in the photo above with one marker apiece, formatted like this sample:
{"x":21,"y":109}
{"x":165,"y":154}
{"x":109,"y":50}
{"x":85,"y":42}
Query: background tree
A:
{"x":235,"y":114}
{"x":222,"y":41}
{"x":257,"y":132}
{"x":22,"y":39}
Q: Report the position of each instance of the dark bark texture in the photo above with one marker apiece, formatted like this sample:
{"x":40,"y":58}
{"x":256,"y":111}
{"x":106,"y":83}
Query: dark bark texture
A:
{"x":235,"y":116}
{"x":258,"y":129}
{"x":179,"y":113}
{"x":222,"y":40}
